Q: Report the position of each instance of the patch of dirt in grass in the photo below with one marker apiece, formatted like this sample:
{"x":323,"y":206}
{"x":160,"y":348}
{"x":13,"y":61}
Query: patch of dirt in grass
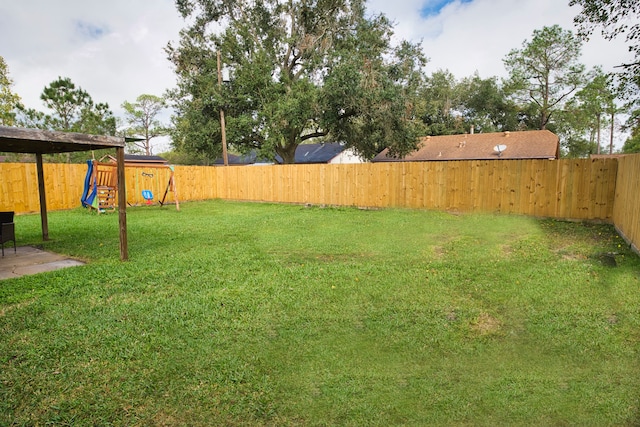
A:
{"x":323,"y":258}
{"x":485,"y":324}
{"x":444,"y":248}
{"x":566,"y":252}
{"x":7,"y":309}
{"x":608,"y":259}
{"x":439,"y":251}
{"x":164,"y":419}
{"x":507,"y":249}
{"x":345,"y":257}
{"x":571,"y":256}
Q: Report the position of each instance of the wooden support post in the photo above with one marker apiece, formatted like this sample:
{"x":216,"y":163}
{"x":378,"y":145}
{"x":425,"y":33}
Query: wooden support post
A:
{"x":43,"y":198}
{"x":122,"y":204}
{"x":175,"y":190}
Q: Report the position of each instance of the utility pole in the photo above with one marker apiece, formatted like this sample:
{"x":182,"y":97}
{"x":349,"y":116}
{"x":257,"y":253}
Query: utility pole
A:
{"x":225,"y":157}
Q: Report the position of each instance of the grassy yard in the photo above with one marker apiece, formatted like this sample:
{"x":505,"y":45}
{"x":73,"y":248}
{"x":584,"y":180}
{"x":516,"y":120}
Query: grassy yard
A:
{"x":258,"y":314}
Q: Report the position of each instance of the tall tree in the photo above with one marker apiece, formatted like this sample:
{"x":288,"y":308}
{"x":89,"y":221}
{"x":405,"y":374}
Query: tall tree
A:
{"x":632,"y":144}
{"x":575,"y":126}
{"x":299,"y":69}
{"x":441,"y":100}
{"x":587,"y":114}
{"x":96,"y":119}
{"x":486,"y":107}
{"x":8,"y":99}
{"x":74,"y":110}
{"x":545,"y":71}
{"x":141,"y":117}
{"x":66,"y":101}
{"x":614,"y":18}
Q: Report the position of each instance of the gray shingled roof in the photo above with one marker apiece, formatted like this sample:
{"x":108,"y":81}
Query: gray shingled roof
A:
{"x":316,"y":153}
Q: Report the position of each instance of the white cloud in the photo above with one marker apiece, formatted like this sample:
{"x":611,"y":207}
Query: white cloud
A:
{"x":114,"y":49}
{"x":476,"y":36}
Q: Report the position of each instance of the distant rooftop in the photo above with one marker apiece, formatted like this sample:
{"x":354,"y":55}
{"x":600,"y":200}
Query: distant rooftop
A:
{"x":534,"y":144}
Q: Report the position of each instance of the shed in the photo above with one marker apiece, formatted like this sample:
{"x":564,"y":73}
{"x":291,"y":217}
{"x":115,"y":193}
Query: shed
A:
{"x":39,"y":142}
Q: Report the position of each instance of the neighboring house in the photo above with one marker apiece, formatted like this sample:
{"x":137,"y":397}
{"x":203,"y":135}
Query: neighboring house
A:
{"x":533,"y":144}
{"x":329,"y":152}
{"x":347,"y":156}
{"x":235,"y":160}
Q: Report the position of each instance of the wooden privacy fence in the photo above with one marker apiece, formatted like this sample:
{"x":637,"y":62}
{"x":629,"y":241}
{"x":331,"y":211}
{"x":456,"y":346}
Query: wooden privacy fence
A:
{"x":590,"y":189}
{"x":626,"y":209}
{"x":571,"y":189}
{"x":19,"y":186}
{"x":65,"y":183}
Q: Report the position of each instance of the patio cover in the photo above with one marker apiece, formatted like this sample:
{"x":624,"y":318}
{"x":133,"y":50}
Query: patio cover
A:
{"x":39,"y":142}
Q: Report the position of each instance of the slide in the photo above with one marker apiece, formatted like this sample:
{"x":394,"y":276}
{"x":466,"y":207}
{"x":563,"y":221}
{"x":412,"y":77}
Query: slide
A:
{"x":89,"y":193}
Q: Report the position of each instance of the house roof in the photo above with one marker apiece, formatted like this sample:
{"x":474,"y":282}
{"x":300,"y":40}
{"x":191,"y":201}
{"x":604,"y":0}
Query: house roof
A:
{"x":243,"y":159}
{"x":316,"y":153}
{"x":533,"y":144}
{"x":139,"y":160}
{"x":144,"y":159}
{"x":305,"y":153}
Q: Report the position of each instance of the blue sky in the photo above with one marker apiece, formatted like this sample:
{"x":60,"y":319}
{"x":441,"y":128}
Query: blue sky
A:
{"x":90,"y":31}
{"x":434,"y":7}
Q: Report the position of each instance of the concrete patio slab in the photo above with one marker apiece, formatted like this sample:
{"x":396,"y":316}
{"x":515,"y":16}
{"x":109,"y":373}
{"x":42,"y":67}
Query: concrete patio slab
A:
{"x":30,"y":260}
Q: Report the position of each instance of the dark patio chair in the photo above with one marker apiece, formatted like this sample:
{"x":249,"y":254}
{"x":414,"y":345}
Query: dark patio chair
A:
{"x":7,"y":230}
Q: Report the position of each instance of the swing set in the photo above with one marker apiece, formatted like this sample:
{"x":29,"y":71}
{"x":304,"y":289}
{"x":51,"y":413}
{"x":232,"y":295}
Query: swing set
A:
{"x":148,"y":173}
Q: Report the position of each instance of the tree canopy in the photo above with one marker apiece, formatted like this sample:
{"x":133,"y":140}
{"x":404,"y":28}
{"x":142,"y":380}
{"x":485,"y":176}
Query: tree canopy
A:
{"x":8,"y":99}
{"x":140,"y":116}
{"x":298,"y":70}
{"x":546,"y":71}
{"x":73,"y":110}
{"x":614,"y":18}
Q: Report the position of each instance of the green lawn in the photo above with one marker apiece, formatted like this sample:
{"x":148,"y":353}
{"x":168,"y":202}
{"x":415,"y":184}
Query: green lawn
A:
{"x":260,"y":314}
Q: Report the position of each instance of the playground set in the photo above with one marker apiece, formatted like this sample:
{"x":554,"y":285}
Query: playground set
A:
{"x":147,"y":173}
